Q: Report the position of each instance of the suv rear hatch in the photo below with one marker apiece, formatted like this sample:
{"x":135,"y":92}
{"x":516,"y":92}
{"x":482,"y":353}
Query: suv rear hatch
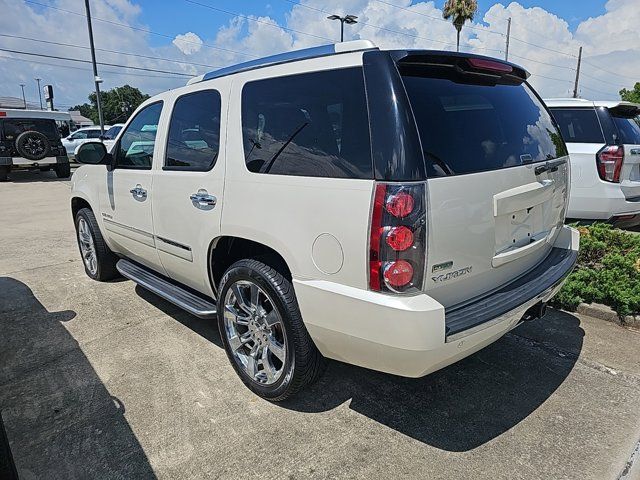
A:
{"x":625,"y":117}
{"x":497,"y":169}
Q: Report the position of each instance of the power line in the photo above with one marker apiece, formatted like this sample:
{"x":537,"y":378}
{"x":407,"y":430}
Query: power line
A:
{"x":609,"y":71}
{"x":99,"y":63}
{"x":542,"y":63}
{"x":88,"y":69}
{"x":257,"y":20}
{"x":108,"y":51}
{"x":139,"y":29}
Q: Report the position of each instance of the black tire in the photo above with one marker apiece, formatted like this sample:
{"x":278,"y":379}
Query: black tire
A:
{"x":33,"y":145}
{"x":63,"y":170}
{"x":304,"y":364}
{"x":4,"y":173}
{"x":106,"y":259}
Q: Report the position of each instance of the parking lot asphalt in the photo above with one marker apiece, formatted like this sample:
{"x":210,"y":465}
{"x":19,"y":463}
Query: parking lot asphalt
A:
{"x":106,"y":380}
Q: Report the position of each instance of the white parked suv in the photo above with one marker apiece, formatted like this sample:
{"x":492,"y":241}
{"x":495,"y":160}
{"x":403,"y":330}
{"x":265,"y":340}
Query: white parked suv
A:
{"x":397,"y":210}
{"x":80,"y":136}
{"x":603,"y":138}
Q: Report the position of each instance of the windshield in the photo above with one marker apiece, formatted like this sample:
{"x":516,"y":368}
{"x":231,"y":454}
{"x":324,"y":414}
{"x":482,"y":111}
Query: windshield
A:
{"x":14,"y":127}
{"x":468,"y":125}
{"x":112,"y":132}
{"x":628,"y":129}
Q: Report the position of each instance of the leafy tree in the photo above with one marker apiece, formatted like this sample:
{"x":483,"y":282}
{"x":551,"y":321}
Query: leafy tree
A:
{"x":117,"y":104}
{"x":631,"y":95}
{"x":459,"y":11}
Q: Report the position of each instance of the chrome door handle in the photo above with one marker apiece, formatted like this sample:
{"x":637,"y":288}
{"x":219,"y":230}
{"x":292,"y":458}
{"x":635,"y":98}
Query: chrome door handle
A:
{"x":138,"y":192}
{"x":202,"y":198}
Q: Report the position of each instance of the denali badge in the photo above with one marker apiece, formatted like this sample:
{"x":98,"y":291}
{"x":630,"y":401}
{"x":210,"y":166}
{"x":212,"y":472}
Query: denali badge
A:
{"x":451,"y":275}
{"x":442,"y":266}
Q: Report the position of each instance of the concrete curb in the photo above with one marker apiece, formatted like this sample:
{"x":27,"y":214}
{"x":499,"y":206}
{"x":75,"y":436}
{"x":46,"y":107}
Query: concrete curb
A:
{"x":604,"y":312}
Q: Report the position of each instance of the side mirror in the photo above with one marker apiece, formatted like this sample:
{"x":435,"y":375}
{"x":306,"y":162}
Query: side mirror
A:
{"x":93,"y":153}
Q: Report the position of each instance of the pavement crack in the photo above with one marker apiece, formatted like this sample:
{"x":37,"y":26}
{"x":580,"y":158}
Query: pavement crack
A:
{"x":569,"y":355}
{"x":626,"y":473}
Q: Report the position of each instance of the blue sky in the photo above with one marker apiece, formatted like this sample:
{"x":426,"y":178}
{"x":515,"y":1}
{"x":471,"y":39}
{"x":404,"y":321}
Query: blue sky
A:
{"x":190,"y":39}
{"x":179,"y":16}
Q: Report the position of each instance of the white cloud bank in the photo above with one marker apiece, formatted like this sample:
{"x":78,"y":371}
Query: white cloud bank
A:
{"x":541,"y":42}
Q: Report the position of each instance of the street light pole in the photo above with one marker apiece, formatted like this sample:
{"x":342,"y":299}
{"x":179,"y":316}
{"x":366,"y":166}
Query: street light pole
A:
{"x":348,"y":19}
{"x":96,"y":78}
{"x":24,"y":99}
{"x":39,"y":92}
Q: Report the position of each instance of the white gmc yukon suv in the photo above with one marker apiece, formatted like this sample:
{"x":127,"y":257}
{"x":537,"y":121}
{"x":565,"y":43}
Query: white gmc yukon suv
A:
{"x":397,"y":210}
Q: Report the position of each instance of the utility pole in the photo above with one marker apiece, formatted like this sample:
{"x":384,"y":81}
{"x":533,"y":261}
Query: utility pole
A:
{"x":39,"y":92}
{"x":575,"y":88}
{"x":24,"y":99}
{"x":348,"y":19}
{"x":96,"y":78}
{"x":506,"y":49}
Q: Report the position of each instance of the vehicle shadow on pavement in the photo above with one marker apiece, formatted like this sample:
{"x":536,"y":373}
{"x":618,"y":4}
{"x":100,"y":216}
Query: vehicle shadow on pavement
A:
{"x":467,"y":404}
{"x":32,"y":176}
{"x":60,"y":419}
{"x":458,"y":408}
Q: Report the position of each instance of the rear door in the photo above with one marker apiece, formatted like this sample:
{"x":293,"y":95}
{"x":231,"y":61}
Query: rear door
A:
{"x":498,"y":176}
{"x":188,"y":185}
{"x":628,"y":131}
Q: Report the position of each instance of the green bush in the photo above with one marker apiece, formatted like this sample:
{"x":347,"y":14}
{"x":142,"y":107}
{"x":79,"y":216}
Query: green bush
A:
{"x":608,"y":271}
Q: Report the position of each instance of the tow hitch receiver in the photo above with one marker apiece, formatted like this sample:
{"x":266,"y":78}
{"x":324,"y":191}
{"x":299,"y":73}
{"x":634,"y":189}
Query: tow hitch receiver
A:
{"x":535,"y":312}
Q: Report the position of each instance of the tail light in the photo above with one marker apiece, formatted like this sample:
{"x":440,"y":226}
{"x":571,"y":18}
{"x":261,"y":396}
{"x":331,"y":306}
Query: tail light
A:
{"x":609,"y":161}
{"x":397,"y":240}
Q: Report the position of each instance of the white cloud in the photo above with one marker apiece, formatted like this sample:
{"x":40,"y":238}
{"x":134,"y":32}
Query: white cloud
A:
{"x":541,"y":42}
{"x":189,"y":43}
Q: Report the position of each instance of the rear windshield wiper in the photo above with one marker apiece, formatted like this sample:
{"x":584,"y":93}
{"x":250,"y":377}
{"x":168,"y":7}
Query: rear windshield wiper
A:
{"x":551,"y":165}
{"x":269,"y":164}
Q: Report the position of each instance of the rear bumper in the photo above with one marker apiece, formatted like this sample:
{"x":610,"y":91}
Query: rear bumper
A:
{"x":20,"y":162}
{"x":604,"y":202}
{"x":414,"y":336}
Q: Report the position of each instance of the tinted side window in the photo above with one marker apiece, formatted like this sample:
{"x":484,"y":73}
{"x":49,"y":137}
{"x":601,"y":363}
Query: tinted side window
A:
{"x":93,"y":133}
{"x":138,"y":141}
{"x":79,"y":136}
{"x":312,"y":124}
{"x":194,"y":132}
{"x":579,"y":125}
{"x":628,"y":129}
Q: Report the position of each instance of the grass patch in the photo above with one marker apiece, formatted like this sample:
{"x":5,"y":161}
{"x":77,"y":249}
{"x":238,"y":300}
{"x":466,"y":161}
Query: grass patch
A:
{"x":607,"y":272}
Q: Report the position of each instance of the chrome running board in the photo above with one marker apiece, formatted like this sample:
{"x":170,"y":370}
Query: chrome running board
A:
{"x":192,"y":303}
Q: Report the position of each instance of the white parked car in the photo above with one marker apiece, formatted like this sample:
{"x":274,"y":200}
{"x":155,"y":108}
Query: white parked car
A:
{"x":397,"y":210}
{"x":80,"y":136}
{"x":603,"y":138}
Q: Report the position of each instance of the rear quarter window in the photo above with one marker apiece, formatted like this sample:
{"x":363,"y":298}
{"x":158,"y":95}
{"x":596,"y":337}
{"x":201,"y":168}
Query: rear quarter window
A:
{"x":628,"y":129}
{"x":579,"y":125}
{"x":469,"y":126}
{"x":312,"y":124}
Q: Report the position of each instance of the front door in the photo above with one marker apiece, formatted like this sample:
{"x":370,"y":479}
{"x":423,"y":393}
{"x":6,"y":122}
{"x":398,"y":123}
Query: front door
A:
{"x":188,"y":185}
{"x":125,"y":203}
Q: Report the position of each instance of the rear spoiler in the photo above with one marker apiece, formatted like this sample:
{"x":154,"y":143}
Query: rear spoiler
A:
{"x":626,"y":109}
{"x":463,"y":63}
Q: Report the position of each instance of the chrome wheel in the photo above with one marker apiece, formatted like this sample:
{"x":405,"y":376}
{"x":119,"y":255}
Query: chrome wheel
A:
{"x":87,"y":247}
{"x":255,"y":332}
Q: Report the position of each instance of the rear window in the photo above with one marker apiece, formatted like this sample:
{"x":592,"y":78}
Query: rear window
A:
{"x":469,"y":126}
{"x":14,"y":127}
{"x":312,"y":125}
{"x":628,"y":129}
{"x":579,"y":125}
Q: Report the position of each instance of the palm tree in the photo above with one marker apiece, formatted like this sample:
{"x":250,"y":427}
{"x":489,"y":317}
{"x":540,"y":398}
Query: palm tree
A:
{"x":459,"y":11}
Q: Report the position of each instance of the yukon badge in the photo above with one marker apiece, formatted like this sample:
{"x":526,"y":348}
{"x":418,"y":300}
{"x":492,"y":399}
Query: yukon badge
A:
{"x":451,"y":275}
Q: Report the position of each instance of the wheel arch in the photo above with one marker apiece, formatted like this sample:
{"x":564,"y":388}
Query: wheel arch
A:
{"x":78,"y":203}
{"x":228,"y":249}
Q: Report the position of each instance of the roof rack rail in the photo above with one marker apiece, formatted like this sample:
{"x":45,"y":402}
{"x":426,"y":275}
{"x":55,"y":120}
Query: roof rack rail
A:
{"x":313,"y":52}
